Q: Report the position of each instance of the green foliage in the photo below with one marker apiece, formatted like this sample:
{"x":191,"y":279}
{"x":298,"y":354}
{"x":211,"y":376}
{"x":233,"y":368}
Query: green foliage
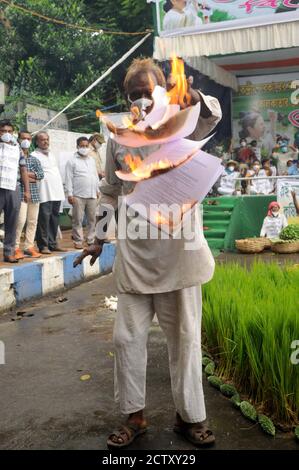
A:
{"x":206,"y":360}
{"x":250,"y":319}
{"x":210,"y":368}
{"x":248,"y":410}
{"x":297,"y":432}
{"x":215,"y":381}
{"x":236,"y":400}
{"x":291,"y":232}
{"x":49,"y":64}
{"x":266,"y":425}
{"x":228,"y":390}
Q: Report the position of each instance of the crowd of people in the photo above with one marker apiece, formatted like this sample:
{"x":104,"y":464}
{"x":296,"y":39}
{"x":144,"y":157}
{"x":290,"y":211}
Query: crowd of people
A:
{"x":246,"y":171}
{"x":32,"y":192}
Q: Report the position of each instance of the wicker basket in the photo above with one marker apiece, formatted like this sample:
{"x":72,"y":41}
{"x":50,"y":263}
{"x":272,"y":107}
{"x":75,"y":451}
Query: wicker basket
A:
{"x":251,"y":245}
{"x":289,"y":247}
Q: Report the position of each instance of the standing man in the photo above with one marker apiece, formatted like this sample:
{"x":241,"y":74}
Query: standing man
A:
{"x":82,"y":190}
{"x":51,"y":195}
{"x":11,"y":159}
{"x":29,"y":210}
{"x":157,"y":276}
{"x":96,"y":142}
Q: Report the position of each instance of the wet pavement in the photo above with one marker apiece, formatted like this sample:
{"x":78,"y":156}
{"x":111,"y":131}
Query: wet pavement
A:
{"x":52,"y":343}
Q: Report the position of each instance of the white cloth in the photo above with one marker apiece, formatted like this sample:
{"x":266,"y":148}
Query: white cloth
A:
{"x":272,"y":226}
{"x":261,"y":186}
{"x":179,"y":315}
{"x":9,"y":164}
{"x":51,"y":187}
{"x":228,"y":182}
{"x":81,"y":177}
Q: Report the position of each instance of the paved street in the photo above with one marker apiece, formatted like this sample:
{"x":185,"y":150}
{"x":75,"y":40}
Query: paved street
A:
{"x":51,"y":344}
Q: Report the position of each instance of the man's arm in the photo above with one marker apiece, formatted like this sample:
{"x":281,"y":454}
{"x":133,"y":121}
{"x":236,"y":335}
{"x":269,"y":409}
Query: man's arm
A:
{"x":69,"y":182}
{"x":24,"y":178}
{"x":296,"y":203}
{"x":210,"y":115}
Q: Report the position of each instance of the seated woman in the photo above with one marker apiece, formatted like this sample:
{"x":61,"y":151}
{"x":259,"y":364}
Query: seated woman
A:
{"x":228,"y":179}
{"x":274,"y":222}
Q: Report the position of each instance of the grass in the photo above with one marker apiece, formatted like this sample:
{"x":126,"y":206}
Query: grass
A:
{"x":250,"y":319}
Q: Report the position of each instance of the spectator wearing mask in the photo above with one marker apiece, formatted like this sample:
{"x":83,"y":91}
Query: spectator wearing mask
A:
{"x":266,"y":170}
{"x":256,"y":185}
{"x":82,"y":190}
{"x":282,"y":153}
{"x":245,"y":154}
{"x":274,"y":222}
{"x":51,"y":195}
{"x":228,"y":179}
{"x":293,"y":170}
{"x":96,"y":142}
{"x":29,"y":210}
{"x":11,"y":160}
{"x":256,"y":150}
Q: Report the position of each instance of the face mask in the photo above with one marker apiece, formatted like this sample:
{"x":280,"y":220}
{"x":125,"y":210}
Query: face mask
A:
{"x":243,"y":144}
{"x":284,"y":149}
{"x":231,"y":168}
{"x":256,"y":167}
{"x":97,"y":145}
{"x":83,"y":151}
{"x":25,"y":144}
{"x":275,"y":214}
{"x":7,"y":138}
{"x":142,"y":104}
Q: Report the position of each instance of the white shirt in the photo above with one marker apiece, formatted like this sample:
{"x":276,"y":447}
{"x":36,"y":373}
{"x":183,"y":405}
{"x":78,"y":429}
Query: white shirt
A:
{"x":175,"y":20}
{"x":263,"y":186}
{"x":9,"y":164}
{"x":272,"y":226}
{"x":228,"y":180}
{"x":81,"y":177}
{"x":51,"y":187}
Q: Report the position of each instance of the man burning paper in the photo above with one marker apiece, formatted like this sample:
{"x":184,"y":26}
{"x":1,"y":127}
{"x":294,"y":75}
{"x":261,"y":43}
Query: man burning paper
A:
{"x":156,"y":275}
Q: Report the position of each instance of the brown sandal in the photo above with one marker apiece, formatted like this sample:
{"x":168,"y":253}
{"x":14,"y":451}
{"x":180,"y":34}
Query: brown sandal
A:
{"x":127,"y":433}
{"x":198,"y":434}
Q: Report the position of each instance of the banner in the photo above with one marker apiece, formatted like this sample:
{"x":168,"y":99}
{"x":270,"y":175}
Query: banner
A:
{"x":264,"y":108}
{"x":183,"y":16}
{"x":287,"y":190}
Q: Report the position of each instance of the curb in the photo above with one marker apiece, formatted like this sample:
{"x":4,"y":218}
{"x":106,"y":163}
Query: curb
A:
{"x":48,"y":275}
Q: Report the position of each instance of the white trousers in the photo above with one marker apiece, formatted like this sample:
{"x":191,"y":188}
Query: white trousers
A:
{"x":28,"y":214}
{"x":179,"y":315}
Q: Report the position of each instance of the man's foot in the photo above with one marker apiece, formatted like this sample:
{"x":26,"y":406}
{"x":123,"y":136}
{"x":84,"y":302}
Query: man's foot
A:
{"x":10,"y":259}
{"x":19,"y":254}
{"x":126,"y":434}
{"x":45,"y":251}
{"x":196,"y":433}
{"x":32,"y":252}
{"x":57,"y":248}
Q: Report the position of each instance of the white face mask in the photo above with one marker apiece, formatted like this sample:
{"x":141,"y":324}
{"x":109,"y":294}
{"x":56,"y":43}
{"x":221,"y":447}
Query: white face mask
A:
{"x":97,"y":145}
{"x":7,"y":138}
{"x":142,"y":104}
{"x":231,"y":168}
{"x":256,"y":167}
{"x":243,"y":144}
{"x":83,"y":151}
{"x":25,"y":144}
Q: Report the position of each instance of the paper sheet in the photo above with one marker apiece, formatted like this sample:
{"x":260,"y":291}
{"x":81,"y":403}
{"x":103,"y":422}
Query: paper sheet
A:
{"x":177,"y":127}
{"x":187,"y":184}
{"x":172,"y":155}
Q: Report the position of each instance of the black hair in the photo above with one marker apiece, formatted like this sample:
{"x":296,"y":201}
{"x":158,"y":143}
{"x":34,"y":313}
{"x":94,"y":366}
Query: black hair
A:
{"x":247,"y":119}
{"x":253,"y":142}
{"x":81,"y":139}
{"x":168,"y":5}
{"x":6,"y":122}
{"x":23,"y":131}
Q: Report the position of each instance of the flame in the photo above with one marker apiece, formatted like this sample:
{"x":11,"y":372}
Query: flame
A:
{"x":178,"y":94}
{"x":134,"y":163}
{"x":99,"y":114}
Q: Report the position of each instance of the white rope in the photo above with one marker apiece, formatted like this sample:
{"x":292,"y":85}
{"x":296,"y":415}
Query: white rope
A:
{"x":254,"y":178}
{"x":122,"y":59}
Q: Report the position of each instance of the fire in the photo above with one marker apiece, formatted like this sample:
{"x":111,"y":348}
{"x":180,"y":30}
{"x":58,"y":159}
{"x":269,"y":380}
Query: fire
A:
{"x":146,"y":171}
{"x":178,"y":94}
{"x":132,"y":162}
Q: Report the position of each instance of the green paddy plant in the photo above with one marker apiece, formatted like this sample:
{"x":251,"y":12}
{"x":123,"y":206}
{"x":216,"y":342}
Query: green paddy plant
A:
{"x":251,"y":318}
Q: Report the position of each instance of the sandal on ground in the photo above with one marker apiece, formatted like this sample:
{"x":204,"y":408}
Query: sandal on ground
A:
{"x":125,"y":435}
{"x":198,"y":434}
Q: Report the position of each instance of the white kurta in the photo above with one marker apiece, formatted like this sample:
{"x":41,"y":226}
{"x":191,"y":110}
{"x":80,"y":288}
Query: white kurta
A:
{"x":261,"y":186}
{"x":51,"y":187}
{"x":175,"y":20}
{"x":228,"y":183}
{"x":272,"y":226}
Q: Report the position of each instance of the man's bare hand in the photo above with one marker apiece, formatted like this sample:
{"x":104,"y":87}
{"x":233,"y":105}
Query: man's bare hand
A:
{"x":71,"y":200}
{"x":27,"y":196}
{"x":94,"y":251}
